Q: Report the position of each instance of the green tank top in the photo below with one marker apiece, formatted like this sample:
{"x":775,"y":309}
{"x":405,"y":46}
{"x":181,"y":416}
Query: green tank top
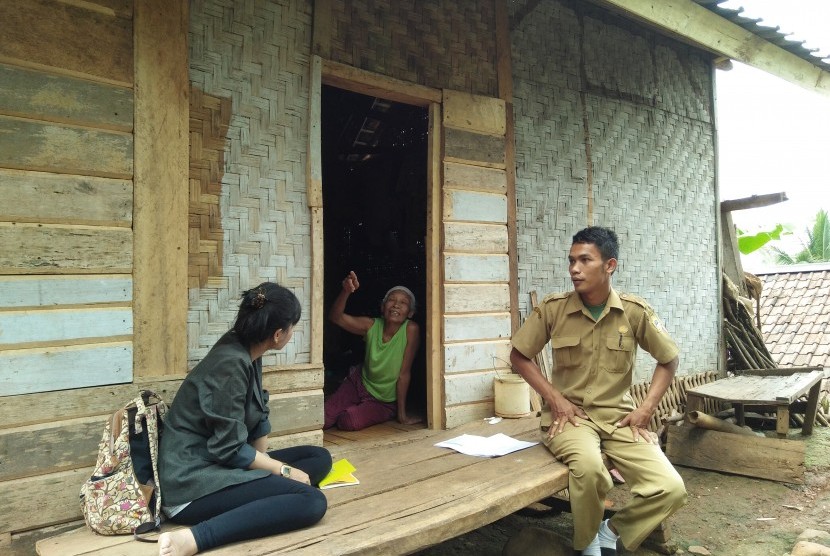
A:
{"x":382,"y":362}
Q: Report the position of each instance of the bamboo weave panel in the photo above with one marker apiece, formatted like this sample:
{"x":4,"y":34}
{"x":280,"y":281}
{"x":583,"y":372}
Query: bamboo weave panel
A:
{"x":250,"y":220}
{"x":448,"y":45}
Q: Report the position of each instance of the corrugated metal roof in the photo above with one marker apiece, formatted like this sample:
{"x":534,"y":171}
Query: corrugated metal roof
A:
{"x":771,"y":34}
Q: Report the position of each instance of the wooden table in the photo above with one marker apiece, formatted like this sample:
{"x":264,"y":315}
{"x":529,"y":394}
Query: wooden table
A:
{"x":776,"y":388}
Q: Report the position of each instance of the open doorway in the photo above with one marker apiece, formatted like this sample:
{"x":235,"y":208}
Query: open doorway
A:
{"x":374,"y":163}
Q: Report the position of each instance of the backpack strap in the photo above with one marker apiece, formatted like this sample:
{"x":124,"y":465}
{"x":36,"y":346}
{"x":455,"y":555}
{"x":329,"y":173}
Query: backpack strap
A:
{"x":151,"y":412}
{"x":141,"y":532}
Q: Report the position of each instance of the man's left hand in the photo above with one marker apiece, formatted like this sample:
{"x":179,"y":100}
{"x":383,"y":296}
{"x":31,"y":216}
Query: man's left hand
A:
{"x":638,"y":420}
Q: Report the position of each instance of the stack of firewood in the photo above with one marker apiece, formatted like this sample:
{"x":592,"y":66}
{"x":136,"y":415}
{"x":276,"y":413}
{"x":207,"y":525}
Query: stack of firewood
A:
{"x":743,"y":338}
{"x":746,"y":348}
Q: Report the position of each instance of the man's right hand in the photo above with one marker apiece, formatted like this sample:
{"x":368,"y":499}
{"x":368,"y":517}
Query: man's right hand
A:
{"x":563,"y":411}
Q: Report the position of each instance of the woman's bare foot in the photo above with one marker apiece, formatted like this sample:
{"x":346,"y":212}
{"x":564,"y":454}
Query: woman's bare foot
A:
{"x":177,"y":543}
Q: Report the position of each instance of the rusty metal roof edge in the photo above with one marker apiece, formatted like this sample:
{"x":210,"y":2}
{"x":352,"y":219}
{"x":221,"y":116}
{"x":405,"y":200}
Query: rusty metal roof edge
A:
{"x":768,"y":33}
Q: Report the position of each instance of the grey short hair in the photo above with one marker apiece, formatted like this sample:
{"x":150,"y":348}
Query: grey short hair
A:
{"x":404,"y":289}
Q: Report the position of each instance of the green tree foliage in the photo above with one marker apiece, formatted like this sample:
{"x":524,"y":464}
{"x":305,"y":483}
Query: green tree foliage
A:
{"x":815,"y":250}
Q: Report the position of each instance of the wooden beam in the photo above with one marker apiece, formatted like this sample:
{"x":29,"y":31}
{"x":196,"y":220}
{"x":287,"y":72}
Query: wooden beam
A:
{"x":34,"y":248}
{"x":512,"y":226}
{"x":756,"y":201}
{"x":435,"y":290}
{"x":161,"y":187}
{"x":32,"y":145}
{"x":321,"y":32}
{"x":731,"y":262}
{"x":775,"y":459}
{"x":314,"y":188}
{"x":317,"y":287}
{"x":364,"y":82}
{"x":47,"y":198}
{"x":694,"y":24}
{"x":61,"y":99}
{"x":504,"y":71}
{"x":69,"y":40}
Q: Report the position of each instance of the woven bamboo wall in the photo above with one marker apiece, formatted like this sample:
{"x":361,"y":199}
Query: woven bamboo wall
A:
{"x":440,"y":43}
{"x":255,"y":227}
{"x":646,"y":104}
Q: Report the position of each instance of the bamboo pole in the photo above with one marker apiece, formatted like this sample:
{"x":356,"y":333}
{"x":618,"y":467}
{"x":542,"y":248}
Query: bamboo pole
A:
{"x":705,"y":421}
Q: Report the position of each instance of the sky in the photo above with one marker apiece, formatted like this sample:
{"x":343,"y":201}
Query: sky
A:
{"x":775,"y":136}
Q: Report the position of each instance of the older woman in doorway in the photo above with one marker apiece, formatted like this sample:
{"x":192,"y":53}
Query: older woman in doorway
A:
{"x":375,"y":391}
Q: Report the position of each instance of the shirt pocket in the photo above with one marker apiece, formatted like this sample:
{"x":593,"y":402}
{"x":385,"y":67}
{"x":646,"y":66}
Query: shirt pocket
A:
{"x":565,"y":351}
{"x":618,"y":354}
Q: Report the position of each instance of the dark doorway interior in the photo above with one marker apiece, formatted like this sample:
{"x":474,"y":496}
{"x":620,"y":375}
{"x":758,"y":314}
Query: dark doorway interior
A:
{"x":374,"y":207}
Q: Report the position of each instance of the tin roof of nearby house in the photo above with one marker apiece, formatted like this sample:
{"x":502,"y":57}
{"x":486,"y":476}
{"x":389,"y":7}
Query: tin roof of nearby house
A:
{"x":771,"y":34}
{"x":795,"y":314}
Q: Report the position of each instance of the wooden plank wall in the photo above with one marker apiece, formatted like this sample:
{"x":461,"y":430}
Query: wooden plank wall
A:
{"x":66,"y":227}
{"x":477,"y":319}
{"x":48,"y":443}
{"x":67,"y":221}
{"x":66,"y":216}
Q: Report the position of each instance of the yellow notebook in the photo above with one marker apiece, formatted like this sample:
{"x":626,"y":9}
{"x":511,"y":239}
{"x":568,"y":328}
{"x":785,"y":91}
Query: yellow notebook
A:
{"x":340,"y":475}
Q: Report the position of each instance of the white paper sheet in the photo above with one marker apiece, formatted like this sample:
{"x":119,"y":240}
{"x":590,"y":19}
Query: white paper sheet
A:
{"x":485,"y":446}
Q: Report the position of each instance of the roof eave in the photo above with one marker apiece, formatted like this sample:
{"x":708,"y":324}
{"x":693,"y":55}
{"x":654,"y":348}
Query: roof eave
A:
{"x":692,"y":23}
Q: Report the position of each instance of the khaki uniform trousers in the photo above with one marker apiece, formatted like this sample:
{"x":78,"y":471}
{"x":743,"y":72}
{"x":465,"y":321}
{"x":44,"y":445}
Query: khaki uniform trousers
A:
{"x":657,"y":489}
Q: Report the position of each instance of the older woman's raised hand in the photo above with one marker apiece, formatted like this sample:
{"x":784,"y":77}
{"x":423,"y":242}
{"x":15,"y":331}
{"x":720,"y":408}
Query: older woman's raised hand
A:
{"x":350,"y":283}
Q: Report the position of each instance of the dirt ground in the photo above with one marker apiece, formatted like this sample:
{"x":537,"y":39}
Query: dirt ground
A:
{"x":727,"y":515}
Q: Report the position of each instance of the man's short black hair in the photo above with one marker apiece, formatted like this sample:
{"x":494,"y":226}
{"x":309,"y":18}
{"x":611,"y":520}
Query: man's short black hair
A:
{"x":604,"y":238}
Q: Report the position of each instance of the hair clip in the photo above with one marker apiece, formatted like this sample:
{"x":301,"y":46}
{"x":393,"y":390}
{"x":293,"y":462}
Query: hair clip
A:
{"x":260,"y":299}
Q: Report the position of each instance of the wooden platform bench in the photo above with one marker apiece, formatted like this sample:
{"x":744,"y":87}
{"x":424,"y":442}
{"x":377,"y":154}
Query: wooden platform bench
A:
{"x":759,"y":390}
{"x":412,"y":495}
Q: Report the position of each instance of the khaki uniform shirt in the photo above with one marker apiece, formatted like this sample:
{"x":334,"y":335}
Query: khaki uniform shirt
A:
{"x":594,"y":360}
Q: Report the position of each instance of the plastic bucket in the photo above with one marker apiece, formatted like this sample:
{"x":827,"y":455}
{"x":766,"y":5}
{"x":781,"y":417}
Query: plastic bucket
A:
{"x":512,"y":397}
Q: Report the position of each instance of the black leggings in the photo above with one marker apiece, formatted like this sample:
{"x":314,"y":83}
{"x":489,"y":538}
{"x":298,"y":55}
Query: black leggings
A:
{"x":261,"y":507}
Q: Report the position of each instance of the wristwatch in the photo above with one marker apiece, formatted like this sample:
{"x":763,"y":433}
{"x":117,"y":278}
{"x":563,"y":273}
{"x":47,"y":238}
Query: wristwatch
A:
{"x":285,"y":470}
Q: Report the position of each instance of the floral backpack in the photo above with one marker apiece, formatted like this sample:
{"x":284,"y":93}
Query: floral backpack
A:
{"x":123,"y":495}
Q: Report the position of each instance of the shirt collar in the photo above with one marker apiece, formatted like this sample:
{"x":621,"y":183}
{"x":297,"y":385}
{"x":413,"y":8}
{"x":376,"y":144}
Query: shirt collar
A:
{"x":575,"y":303}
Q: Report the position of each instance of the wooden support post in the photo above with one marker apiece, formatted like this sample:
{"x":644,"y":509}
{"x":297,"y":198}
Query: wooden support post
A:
{"x":739,"y":414}
{"x":693,"y":402}
{"x":160,"y":217}
{"x":782,"y":420}
{"x":314,"y":193}
{"x":812,"y":409}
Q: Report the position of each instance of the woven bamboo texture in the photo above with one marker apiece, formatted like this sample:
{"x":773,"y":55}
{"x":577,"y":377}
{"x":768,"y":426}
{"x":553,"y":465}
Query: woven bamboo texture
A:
{"x":674,"y":401}
{"x":209,"y":121}
{"x":438,"y":43}
{"x":249,"y":214}
{"x":589,"y":83}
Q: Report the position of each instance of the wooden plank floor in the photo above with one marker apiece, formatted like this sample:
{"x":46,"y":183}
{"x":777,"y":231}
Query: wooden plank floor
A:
{"x":412,"y":495}
{"x":335,"y":437}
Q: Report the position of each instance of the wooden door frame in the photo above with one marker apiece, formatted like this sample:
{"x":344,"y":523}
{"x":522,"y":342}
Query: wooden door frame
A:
{"x":326,"y":72}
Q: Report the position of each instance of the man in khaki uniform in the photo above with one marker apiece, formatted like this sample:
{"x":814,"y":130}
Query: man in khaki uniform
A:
{"x":594,"y":333}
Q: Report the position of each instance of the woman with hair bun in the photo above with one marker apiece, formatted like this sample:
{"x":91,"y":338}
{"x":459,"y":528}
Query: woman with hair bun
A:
{"x":216,"y":474}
